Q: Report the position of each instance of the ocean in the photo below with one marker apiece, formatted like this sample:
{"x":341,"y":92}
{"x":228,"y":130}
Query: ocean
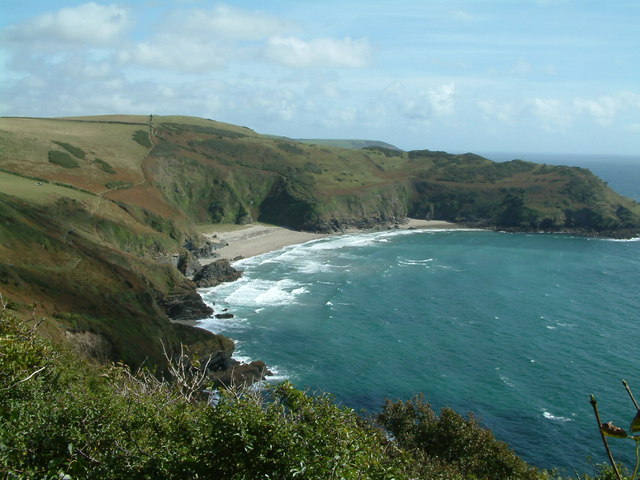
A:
{"x":517,"y":328}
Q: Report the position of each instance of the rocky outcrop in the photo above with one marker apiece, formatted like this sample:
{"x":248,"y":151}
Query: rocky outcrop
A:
{"x":184,"y":303}
{"x":240,"y":374}
{"x":202,"y":247}
{"x":210,"y":348}
{"x":215,"y":351}
{"x":216,"y":273}
{"x":188,"y":264}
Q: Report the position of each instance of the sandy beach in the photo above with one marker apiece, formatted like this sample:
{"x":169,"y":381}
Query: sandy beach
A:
{"x":252,"y":240}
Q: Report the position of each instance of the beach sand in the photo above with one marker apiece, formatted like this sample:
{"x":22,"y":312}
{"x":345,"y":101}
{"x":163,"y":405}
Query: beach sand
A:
{"x":252,"y":240}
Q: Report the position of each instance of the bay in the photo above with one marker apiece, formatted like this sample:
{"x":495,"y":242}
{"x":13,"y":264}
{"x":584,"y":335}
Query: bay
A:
{"x":517,"y":328}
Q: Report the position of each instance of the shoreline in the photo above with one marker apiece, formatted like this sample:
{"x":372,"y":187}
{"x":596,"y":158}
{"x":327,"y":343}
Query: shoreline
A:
{"x":258,"y":239}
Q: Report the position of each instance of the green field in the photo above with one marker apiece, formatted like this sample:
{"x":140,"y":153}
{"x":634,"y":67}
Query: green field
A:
{"x":38,"y":191}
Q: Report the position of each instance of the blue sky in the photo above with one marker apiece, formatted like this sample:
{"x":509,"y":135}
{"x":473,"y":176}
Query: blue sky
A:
{"x":486,"y":75}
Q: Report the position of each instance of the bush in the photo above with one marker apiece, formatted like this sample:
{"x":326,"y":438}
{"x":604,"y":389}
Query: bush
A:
{"x":118,"y":185}
{"x":63,"y":159}
{"x":142,"y":138}
{"x":454,"y":440}
{"x":102,"y":165}
{"x":75,"y":151}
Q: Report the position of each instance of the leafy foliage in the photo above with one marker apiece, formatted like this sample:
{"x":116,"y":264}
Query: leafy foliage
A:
{"x":609,"y":430}
{"x":387,"y":152}
{"x":461,"y":443}
{"x":106,"y":423}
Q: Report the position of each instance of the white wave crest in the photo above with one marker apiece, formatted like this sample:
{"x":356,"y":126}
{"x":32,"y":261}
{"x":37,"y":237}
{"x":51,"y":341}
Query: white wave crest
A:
{"x":242,"y":358}
{"x":217,"y":325}
{"x":632,"y":239}
{"x":350,"y":240}
{"x":410,"y":262}
{"x":507,"y":381}
{"x":550,"y":416}
{"x":264,"y":293}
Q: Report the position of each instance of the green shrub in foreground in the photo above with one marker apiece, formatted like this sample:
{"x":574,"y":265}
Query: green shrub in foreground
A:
{"x":61,"y":416}
{"x":458,"y":442}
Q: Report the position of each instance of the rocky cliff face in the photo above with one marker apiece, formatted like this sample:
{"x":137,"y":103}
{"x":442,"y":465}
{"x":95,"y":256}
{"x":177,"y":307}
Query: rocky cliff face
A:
{"x":184,"y":303}
{"x":215,"y":273}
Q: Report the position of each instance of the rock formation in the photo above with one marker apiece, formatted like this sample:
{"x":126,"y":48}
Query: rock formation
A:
{"x":216,"y":273}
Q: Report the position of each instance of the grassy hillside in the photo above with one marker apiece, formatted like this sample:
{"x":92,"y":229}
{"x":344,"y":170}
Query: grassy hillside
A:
{"x":326,"y":187}
{"x":197,"y":170}
{"x":94,"y":211}
{"x":95,"y":266}
{"x":346,"y":143}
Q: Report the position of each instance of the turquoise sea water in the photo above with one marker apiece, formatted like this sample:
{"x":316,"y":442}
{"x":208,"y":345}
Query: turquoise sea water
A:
{"x":517,"y":328}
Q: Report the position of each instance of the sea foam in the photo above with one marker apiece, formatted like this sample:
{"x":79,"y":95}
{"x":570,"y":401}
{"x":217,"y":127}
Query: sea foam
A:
{"x":550,"y":416}
{"x":255,"y":293}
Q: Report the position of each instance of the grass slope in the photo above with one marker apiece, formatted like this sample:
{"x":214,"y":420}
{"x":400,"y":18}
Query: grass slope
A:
{"x":347,"y":143}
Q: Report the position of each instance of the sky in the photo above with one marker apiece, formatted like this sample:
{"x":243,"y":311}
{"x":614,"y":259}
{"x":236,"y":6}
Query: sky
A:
{"x":555,"y":76}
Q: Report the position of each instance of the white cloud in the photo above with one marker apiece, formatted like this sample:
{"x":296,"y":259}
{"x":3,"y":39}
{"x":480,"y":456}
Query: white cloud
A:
{"x":205,"y":40}
{"x":199,"y":40}
{"x":90,"y":23}
{"x":228,"y":22}
{"x":522,"y":68}
{"x":421,"y":105}
{"x":553,"y":113}
{"x":321,"y":52}
{"x":494,"y":109}
{"x":175,"y":52}
{"x":442,"y":99}
{"x":602,"y":109}
{"x":605,"y":109}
